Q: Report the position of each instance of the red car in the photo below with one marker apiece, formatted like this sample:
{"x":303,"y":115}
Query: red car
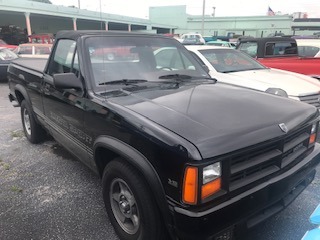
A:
{"x":41,"y":38}
{"x":281,"y":53}
{"x":5,"y":45}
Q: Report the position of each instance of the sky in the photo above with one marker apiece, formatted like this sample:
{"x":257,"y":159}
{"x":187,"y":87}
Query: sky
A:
{"x":140,"y":8}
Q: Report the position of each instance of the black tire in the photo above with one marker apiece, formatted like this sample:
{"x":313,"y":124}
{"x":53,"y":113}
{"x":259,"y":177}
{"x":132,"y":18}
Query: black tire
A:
{"x":32,"y":130}
{"x":134,"y":218}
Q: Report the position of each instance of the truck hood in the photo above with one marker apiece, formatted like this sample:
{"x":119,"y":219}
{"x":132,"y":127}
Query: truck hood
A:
{"x":217,"y":118}
{"x":294,"y":84}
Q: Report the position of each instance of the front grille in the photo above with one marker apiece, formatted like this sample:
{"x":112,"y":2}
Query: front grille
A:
{"x":311,"y":99}
{"x":268,"y":159}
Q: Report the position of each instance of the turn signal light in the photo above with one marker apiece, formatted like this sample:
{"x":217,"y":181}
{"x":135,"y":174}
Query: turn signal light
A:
{"x":190,"y":185}
{"x":312,"y":138}
{"x":210,"y":188}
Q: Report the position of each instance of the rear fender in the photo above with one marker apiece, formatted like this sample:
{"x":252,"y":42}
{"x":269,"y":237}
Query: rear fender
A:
{"x":21,"y":94}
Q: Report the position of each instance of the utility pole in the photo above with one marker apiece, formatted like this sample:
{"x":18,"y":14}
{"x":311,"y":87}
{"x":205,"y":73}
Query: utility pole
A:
{"x":203,"y":12}
{"x":79,"y":4}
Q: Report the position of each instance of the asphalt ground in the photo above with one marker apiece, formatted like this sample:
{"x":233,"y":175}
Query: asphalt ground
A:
{"x":45,"y":193}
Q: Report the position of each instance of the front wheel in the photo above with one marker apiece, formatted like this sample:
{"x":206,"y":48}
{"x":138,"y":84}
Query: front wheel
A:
{"x":32,"y":130}
{"x":129,"y":203}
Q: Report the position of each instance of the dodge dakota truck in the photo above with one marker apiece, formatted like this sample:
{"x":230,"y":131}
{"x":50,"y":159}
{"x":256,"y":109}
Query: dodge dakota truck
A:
{"x":281,"y":53}
{"x":181,"y":156}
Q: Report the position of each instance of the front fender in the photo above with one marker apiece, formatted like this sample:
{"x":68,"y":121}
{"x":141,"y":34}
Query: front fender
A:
{"x":141,"y":163}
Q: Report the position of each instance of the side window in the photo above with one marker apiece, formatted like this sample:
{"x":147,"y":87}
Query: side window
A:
{"x":62,"y":61}
{"x":249,"y":48}
{"x":25,"y":50}
{"x":281,"y":48}
{"x":308,"y":51}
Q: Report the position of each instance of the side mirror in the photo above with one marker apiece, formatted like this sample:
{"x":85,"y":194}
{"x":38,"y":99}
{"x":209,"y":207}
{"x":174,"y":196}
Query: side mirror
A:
{"x":67,"y":81}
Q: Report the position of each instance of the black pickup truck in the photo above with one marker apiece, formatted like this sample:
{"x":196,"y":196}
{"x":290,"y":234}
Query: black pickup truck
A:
{"x":180,"y":155}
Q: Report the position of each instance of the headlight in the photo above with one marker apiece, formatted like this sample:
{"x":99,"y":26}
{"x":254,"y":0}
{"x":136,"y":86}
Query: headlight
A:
{"x":314,"y":128}
{"x":277,"y":91}
{"x":210,"y":184}
{"x":211,"y":180}
{"x":211,"y":173}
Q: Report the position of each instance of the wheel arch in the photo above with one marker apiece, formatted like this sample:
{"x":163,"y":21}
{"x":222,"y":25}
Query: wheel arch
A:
{"x":107,"y":148}
{"x":21,"y":94}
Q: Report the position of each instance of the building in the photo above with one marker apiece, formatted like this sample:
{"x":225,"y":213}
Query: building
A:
{"x":36,"y":17}
{"x":255,"y":26}
{"x":47,"y":18}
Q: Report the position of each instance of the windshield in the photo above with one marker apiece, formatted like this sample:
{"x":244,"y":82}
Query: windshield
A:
{"x":140,"y":57}
{"x":229,"y":60}
{"x":6,"y":54}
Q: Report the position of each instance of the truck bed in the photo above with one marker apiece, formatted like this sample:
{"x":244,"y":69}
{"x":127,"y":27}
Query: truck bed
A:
{"x":307,"y":66}
{"x":36,"y":64}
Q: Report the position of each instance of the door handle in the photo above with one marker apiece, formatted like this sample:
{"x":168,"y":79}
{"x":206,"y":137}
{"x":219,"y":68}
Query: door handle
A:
{"x":46,"y":88}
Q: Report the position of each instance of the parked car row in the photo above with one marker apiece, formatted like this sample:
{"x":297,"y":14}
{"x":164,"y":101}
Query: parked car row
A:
{"x":27,"y":50}
{"x":197,"y":39}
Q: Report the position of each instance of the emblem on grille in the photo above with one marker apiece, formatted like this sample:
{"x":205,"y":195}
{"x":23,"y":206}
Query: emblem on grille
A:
{"x":283,"y":127}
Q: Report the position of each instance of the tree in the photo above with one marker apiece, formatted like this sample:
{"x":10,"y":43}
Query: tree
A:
{"x":42,"y":1}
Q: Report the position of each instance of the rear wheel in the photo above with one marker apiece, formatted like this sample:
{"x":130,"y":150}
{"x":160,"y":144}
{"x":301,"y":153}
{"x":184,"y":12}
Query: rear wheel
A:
{"x":32,"y":130}
{"x":129,"y":204}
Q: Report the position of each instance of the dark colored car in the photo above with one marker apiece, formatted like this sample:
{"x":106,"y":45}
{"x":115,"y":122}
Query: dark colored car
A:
{"x":13,"y":35}
{"x":6,"y":56}
{"x":180,"y":154}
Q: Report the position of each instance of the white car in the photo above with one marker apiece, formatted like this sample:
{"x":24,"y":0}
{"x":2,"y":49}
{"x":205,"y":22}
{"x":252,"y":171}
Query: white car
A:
{"x":234,"y":67}
{"x":34,"y":50}
{"x":308,"y":47}
{"x":192,"y":39}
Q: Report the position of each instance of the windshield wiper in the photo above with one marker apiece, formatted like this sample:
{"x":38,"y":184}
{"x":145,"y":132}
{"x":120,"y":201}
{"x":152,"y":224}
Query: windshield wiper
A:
{"x":242,"y":70}
{"x":124,"y":81}
{"x":206,"y":78}
{"x":182,"y":77}
{"x":176,"y":76}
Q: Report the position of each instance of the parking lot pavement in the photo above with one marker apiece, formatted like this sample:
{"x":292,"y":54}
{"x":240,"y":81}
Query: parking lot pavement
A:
{"x":44,"y":192}
{"x":47,"y":194}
